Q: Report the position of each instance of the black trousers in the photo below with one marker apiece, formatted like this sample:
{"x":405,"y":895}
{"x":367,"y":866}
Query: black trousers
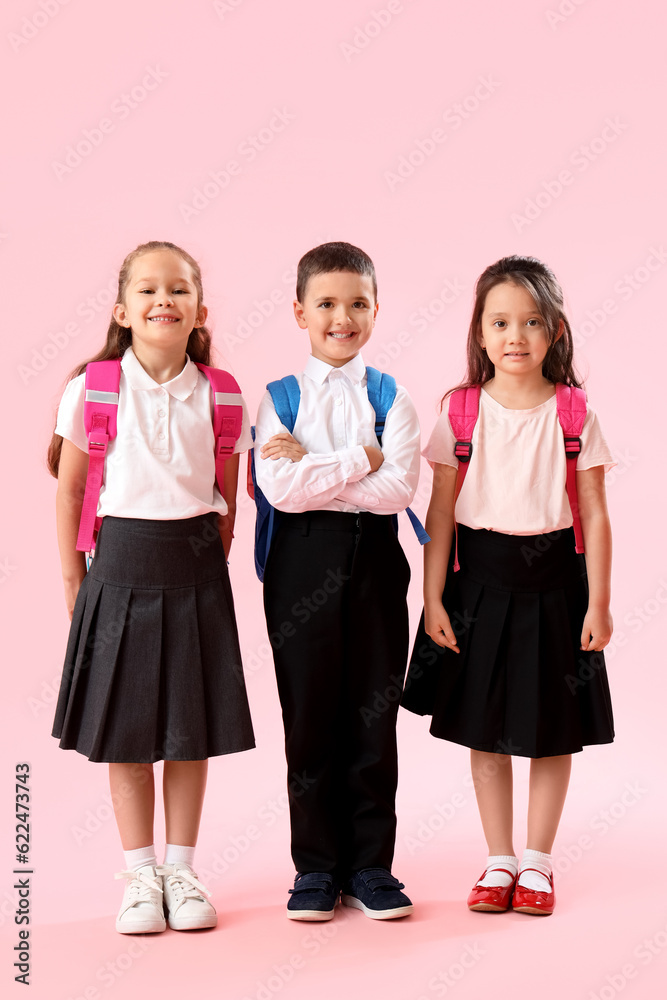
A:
{"x":334,"y":594}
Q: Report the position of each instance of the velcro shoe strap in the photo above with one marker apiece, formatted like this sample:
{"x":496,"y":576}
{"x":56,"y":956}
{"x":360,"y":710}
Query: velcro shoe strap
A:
{"x":378,"y":879}
{"x":313,"y":880}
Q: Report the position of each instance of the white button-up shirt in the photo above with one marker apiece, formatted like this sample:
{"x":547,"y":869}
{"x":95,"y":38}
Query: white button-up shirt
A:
{"x":334,"y":422}
{"x":161,"y":464}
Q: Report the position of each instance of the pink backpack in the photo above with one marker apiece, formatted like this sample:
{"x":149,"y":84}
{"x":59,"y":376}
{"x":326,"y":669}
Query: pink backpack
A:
{"x":100,"y":412}
{"x":571,"y":408}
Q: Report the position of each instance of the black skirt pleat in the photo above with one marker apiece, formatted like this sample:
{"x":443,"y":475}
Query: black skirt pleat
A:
{"x":520,"y":684}
{"x":153,"y":667}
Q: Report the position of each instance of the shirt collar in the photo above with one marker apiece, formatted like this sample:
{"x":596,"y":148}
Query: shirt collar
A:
{"x":181,"y":386}
{"x":319,"y":371}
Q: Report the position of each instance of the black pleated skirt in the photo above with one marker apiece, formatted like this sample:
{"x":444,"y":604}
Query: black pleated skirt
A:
{"x":153,"y":667}
{"x":520,"y":684}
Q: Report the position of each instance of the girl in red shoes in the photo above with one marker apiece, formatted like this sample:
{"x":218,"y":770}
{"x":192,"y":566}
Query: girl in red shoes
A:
{"x":153,"y":668}
{"x":516,"y":632}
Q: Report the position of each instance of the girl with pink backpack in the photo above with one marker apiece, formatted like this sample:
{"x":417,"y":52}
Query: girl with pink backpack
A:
{"x":146,"y":449}
{"x":508,"y":657}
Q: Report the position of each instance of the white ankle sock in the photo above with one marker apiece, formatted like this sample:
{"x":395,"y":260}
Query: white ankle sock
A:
{"x":533,"y":880}
{"x":495,"y":877}
{"x":134,"y":860}
{"x":176,"y":852}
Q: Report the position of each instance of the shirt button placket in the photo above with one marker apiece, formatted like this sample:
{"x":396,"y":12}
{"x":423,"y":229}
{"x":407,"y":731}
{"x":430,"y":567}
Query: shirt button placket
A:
{"x":161,"y":422}
{"x":339,"y":414}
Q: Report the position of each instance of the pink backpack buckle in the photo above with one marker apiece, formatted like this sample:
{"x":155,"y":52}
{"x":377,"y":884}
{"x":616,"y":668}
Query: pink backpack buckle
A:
{"x":463,"y":450}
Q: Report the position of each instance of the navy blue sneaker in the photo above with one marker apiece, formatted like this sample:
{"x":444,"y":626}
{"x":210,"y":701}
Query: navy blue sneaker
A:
{"x":313,"y":897}
{"x":377,"y":893}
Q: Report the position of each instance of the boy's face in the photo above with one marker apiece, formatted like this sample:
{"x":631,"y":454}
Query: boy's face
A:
{"x":339,"y":311}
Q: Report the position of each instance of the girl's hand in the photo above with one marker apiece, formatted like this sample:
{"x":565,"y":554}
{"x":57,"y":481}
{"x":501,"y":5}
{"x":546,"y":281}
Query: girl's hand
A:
{"x":72,"y":588}
{"x":69,"y":499}
{"x":375,"y":457}
{"x":439,"y":627}
{"x":226,"y":532}
{"x":283,"y":446}
{"x":596,"y":630}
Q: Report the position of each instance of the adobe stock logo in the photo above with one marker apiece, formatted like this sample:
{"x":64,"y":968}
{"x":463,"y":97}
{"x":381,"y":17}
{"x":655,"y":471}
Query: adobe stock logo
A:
{"x":32,"y":24}
{"x":581,"y":158}
{"x":247,"y":151}
{"x":565,"y":9}
{"x":121,"y":108}
{"x":222,"y":7}
{"x":364,"y":34}
{"x":453,"y":118}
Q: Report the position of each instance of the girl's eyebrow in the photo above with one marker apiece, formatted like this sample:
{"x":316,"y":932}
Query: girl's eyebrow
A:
{"x":530,"y":312}
{"x":155,"y":281}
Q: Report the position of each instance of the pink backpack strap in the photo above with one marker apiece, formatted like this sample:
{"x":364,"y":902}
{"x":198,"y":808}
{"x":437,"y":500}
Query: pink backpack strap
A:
{"x":463,"y":413}
{"x":100,"y":413}
{"x":571,"y":407}
{"x":227,"y":417}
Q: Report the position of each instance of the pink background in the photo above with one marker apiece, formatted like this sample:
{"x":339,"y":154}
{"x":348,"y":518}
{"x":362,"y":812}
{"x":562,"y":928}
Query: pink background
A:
{"x":484,"y":107}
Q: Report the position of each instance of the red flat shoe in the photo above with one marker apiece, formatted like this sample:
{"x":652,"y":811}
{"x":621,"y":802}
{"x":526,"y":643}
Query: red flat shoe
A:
{"x":492,"y":898}
{"x":532,"y":901}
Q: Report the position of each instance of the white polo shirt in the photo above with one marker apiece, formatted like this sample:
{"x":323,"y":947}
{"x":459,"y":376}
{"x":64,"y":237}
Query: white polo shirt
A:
{"x":161,"y":464}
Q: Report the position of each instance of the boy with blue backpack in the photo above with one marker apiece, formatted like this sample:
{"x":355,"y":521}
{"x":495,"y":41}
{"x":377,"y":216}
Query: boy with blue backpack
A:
{"x":337,"y":456}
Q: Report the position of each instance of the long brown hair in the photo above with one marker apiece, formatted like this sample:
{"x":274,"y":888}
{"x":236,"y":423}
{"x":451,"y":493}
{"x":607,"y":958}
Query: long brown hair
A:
{"x":119,"y":337}
{"x":540,"y":281}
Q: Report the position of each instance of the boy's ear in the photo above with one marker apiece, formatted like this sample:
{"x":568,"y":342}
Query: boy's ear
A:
{"x":298,"y":313}
{"x":375,"y":311}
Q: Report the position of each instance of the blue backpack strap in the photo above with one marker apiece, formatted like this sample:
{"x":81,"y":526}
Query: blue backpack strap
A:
{"x":381,"y":389}
{"x":286,"y":396}
{"x":420,"y":531}
{"x":264,"y":518}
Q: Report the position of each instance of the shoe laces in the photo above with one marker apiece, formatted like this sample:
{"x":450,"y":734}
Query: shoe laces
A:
{"x":182,"y":881}
{"x":142,"y":887}
{"x":378,"y":878}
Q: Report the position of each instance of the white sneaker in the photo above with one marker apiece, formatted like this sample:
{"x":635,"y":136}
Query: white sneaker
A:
{"x":187,"y":910}
{"x":142,"y":909}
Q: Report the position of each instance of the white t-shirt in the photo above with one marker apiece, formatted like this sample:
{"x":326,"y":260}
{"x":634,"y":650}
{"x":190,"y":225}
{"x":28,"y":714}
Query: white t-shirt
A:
{"x":161,"y":464}
{"x":515,"y":481}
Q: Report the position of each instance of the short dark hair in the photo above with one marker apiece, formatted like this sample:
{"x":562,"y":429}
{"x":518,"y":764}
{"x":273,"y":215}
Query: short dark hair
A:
{"x":333,"y":257}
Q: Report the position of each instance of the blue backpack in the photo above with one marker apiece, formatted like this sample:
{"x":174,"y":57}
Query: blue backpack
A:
{"x":286,"y":396}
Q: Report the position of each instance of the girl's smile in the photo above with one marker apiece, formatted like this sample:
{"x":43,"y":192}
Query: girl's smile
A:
{"x":160,"y":295}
